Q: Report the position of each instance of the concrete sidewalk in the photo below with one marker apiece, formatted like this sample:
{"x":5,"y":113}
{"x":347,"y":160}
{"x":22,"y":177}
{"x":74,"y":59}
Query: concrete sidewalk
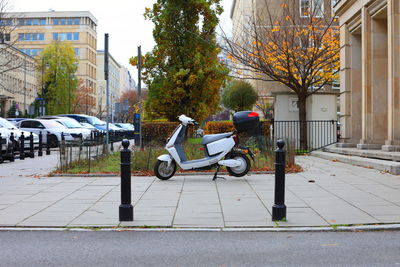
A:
{"x":327,"y":193}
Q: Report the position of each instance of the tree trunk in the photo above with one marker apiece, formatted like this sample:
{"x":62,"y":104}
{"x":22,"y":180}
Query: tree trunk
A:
{"x":303,"y":122}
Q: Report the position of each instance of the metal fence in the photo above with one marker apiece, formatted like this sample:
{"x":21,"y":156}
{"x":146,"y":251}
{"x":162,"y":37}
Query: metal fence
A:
{"x":319,"y":133}
{"x":89,"y":149}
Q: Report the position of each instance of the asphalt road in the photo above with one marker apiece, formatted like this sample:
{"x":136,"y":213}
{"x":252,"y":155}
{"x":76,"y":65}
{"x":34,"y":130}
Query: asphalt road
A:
{"x":227,"y":249}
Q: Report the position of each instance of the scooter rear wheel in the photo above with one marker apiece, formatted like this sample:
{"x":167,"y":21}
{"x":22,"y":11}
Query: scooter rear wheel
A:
{"x":243,"y":169}
{"x":162,"y":171}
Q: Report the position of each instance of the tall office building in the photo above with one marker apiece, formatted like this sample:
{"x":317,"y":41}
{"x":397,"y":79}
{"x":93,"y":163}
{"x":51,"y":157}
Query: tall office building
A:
{"x":36,"y":30}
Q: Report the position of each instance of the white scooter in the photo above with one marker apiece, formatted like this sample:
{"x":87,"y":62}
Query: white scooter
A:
{"x":220,"y":150}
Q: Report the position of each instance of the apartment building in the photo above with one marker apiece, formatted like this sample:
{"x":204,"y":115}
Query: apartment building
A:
{"x":370,"y":64}
{"x":18,"y":80}
{"x":244,"y":14}
{"x":35,"y":30}
{"x":114,"y":84}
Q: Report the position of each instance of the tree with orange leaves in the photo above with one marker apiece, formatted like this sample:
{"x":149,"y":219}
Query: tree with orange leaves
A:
{"x":300,"y":51}
{"x":82,"y":100}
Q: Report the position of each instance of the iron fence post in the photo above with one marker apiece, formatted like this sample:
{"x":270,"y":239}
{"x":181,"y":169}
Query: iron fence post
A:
{"x":12,"y":139}
{"x":40,"y":152}
{"x":1,"y":148}
{"x":22,"y":147}
{"x":31,"y":147}
{"x":279,"y":208}
{"x":126,"y":208}
{"x":47,"y":143}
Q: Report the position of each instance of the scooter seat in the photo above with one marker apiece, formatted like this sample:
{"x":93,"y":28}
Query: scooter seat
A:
{"x":209,"y":138}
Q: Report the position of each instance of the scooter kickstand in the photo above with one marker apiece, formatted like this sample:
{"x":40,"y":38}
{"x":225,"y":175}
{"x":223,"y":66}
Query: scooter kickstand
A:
{"x":216,"y":175}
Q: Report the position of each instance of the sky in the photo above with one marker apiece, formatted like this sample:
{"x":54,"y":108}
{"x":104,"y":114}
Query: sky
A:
{"x":122,"y":19}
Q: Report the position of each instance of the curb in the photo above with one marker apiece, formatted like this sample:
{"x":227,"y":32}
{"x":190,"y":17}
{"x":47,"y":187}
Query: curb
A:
{"x":354,"y":228}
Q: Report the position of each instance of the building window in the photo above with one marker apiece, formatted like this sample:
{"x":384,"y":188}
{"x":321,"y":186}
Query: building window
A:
{"x":55,"y":22}
{"x":304,"y":8}
{"x":32,"y":52}
{"x":31,"y":37}
{"x":76,"y":51}
{"x":5,"y":22}
{"x":5,"y":37}
{"x":66,"y":36}
{"x":42,"y":22}
{"x":314,"y":6}
{"x":318,"y":8}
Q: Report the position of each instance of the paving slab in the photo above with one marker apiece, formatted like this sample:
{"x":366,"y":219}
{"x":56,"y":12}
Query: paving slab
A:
{"x":327,"y":193}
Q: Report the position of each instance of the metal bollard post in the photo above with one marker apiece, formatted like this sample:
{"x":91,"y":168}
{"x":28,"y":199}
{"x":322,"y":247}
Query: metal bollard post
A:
{"x":22,"y":147}
{"x":12,"y":140}
{"x":1,"y":148}
{"x":32,"y":149}
{"x":40,"y":152}
{"x":47,"y":143}
{"x":279,"y":208}
{"x":126,"y":208}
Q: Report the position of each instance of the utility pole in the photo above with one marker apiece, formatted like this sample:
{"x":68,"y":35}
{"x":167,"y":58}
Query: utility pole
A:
{"x":107,"y":86}
{"x":25,"y":85}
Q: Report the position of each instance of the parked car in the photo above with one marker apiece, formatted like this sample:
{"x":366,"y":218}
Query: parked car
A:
{"x":126,"y":126}
{"x":81,"y":118}
{"x":70,"y":124}
{"x":48,"y":126}
{"x":15,"y":120}
{"x":17,"y":134}
{"x":5,"y":144}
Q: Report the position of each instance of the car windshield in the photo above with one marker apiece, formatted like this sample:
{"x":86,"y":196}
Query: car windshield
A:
{"x":6,"y":124}
{"x":127,"y":126}
{"x":95,"y":121}
{"x":70,"y":123}
{"x":52,"y":124}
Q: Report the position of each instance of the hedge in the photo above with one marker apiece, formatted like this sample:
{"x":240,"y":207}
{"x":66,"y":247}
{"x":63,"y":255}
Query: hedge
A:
{"x":158,"y":132}
{"x":215,"y":127}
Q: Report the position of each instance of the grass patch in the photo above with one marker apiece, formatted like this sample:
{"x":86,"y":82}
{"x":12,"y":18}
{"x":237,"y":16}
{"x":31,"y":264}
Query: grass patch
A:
{"x":143,"y":161}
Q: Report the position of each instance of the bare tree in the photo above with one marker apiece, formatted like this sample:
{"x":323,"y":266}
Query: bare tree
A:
{"x":277,"y":43}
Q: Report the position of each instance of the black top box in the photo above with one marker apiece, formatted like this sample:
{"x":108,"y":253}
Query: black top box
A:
{"x":246,"y":121}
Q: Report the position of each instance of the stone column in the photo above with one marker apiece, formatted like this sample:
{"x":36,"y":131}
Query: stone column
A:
{"x":379,"y":94}
{"x":356,"y":87}
{"x":365,"y":76}
{"x":345,"y":85}
{"x":393,"y":139}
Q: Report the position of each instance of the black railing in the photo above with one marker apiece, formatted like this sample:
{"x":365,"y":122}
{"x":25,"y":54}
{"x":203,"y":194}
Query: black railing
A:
{"x":319,"y":133}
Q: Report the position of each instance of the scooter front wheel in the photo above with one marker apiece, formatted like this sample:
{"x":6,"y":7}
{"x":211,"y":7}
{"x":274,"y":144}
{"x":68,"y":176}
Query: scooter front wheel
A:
{"x":162,"y":170}
{"x":244,"y":167}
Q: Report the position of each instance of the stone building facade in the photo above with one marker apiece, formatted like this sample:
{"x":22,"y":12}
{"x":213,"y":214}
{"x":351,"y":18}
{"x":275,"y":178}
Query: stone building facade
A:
{"x":35,"y":30}
{"x":242,"y":13}
{"x":370,"y":73}
{"x":18,"y":80}
{"x":114,"y":84}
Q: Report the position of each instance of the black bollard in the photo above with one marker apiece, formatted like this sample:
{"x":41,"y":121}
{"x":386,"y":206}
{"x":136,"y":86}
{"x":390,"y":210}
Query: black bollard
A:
{"x":40,"y":152}
{"x":279,"y":208}
{"x":22,"y":147}
{"x":1,"y":149}
{"x":12,"y":140}
{"x":47,"y":143}
{"x":32,"y":148}
{"x":126,"y":208}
